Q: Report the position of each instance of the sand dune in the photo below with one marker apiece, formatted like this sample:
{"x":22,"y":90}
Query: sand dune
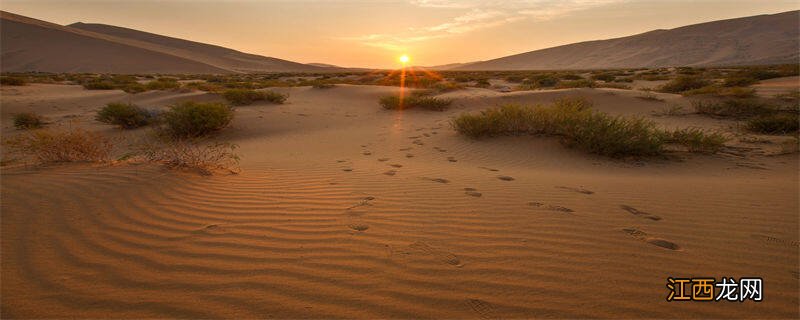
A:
{"x":35,"y":45}
{"x":316,"y":227}
{"x":763,"y":39}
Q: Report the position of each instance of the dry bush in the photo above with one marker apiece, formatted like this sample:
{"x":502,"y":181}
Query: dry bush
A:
{"x":58,"y":145}
{"x":192,"y":155}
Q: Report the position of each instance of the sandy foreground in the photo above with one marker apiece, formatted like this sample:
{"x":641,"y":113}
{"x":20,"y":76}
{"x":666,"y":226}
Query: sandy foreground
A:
{"x":345,"y":210}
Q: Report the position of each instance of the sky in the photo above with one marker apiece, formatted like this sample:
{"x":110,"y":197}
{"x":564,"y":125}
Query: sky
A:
{"x":360,"y":33}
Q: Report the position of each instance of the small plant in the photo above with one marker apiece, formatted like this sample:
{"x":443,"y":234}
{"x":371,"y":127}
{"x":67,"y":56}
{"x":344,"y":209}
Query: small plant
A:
{"x":73,"y":145}
{"x":579,"y":126}
{"x":323,"y":85}
{"x":584,"y":83}
{"x":776,"y":123}
{"x":482,"y":83}
{"x":735,"y":108}
{"x":275,"y":97}
{"x":28,"y":120}
{"x":415,"y":101}
{"x":12,"y":81}
{"x":739,"y":81}
{"x":242,"y":97}
{"x":696,"y":140}
{"x":99,"y":85}
{"x":194,"y":119}
{"x":125,"y":115}
{"x":684,"y":83}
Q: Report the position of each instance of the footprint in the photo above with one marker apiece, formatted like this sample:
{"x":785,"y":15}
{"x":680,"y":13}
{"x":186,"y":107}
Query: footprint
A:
{"x":414,"y":137}
{"x":364,"y":202}
{"x":440,"y":149}
{"x":505,"y":178}
{"x":212,"y":229}
{"x":643,"y":214}
{"x":359,"y":227}
{"x":409,"y":155}
{"x":383,"y":159}
{"x":366,"y":153}
{"x":484,"y":309}
{"x":418,"y":142}
{"x":347,"y":169}
{"x":405,"y":149}
{"x":441,"y":255}
{"x":452,"y":159}
{"x":550,"y":207}
{"x":439,"y":180}
{"x":390,"y":172}
{"x":472,"y":192}
{"x":340,"y":161}
{"x":579,"y":190}
{"x":643,"y":236}
{"x":396,"y":165}
{"x":776,"y":241}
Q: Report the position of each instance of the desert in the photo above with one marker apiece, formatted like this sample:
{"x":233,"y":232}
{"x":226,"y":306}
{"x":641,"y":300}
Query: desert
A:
{"x":216,"y":189}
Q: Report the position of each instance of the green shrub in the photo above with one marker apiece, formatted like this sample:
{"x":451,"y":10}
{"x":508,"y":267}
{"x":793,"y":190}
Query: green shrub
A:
{"x":162,"y":84}
{"x":194,"y":119}
{"x":99,"y":85}
{"x":738,"y":81}
{"x":776,"y":123}
{"x":584,"y":83}
{"x":241,"y":97}
{"x":482,"y":83}
{"x":415,"y":101}
{"x":125,"y":115}
{"x":696,"y":140}
{"x":735,"y":108}
{"x":580,"y":127}
{"x":684,"y":83}
{"x":322,"y":85}
{"x":12,"y":81}
{"x":28,"y":120}
{"x":275,"y":97}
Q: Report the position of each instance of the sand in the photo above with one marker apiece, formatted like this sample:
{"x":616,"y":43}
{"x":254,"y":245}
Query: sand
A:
{"x":345,"y":210}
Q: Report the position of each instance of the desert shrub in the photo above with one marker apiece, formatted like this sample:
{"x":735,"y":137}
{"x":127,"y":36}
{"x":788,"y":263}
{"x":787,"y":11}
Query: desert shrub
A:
{"x":447,"y":86}
{"x":578,"y":126}
{"x":684,"y":83}
{"x":134,"y":88}
{"x":125,"y":115}
{"x":607,"y":77}
{"x":735,"y":108}
{"x":194,"y":119}
{"x":12,"y":81}
{"x":192,"y":155}
{"x":696,"y":140}
{"x":275,"y":97}
{"x":242,"y":97}
{"x":584,"y":83}
{"x":671,"y":110}
{"x":482,"y":83}
{"x":99,"y":85}
{"x":791,"y":96}
{"x":415,"y":101}
{"x":759,"y":74}
{"x":614,"y":85}
{"x":738,"y":81}
{"x":515,"y":78}
{"x":162,"y":84}
{"x":775,"y":123}
{"x":322,"y":85}
{"x":28,"y":120}
{"x":540,"y":81}
{"x":73,"y":145}
{"x":570,"y":76}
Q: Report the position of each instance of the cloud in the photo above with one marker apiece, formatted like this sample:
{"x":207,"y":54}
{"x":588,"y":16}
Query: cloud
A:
{"x":478,"y":14}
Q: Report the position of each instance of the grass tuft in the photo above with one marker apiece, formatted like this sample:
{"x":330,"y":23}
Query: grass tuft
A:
{"x":28,"y":120}
{"x":125,"y":115}
{"x":48,"y":146}
{"x":194,"y":119}
{"x":415,"y":101}
{"x":776,"y":123}
{"x":582,"y":128}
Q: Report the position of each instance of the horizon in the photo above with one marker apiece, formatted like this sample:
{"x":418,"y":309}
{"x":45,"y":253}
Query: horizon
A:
{"x":440,"y":32}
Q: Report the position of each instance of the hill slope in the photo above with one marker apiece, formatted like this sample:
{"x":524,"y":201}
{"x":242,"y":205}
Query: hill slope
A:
{"x":762,"y":39}
{"x":35,"y":45}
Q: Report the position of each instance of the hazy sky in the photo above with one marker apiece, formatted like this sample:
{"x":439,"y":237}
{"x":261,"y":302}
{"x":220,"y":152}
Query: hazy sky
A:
{"x":362,"y":33}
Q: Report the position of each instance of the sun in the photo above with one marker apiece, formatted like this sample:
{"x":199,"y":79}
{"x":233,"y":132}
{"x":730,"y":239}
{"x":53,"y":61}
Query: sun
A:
{"x":404,"y":59}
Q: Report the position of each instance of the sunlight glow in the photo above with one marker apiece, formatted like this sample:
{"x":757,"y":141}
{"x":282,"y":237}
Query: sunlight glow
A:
{"x":404,"y":59}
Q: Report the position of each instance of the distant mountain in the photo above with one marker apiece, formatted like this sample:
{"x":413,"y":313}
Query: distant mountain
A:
{"x":34,"y":45}
{"x":449,"y":66}
{"x":762,"y":39}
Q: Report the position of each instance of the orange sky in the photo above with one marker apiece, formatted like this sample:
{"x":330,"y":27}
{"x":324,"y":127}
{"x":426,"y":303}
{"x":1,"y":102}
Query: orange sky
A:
{"x":374,"y":33}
